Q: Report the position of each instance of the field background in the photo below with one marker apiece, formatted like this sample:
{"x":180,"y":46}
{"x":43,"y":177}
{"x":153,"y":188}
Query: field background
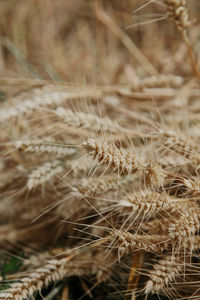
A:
{"x":69,"y":40}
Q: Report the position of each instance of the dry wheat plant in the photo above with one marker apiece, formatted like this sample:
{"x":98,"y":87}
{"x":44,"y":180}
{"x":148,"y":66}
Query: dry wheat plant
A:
{"x":99,"y":149}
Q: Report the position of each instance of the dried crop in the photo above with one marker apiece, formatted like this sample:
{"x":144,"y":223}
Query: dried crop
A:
{"x":100,"y":183}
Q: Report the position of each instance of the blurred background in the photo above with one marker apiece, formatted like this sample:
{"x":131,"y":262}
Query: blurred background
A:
{"x":88,"y":41}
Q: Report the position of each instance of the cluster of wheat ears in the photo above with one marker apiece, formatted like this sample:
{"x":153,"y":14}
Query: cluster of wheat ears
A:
{"x":102,"y":183}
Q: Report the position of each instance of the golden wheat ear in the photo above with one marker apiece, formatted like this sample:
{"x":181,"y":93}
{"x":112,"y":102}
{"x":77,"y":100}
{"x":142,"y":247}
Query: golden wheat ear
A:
{"x":145,"y":204}
{"x":120,"y":160}
{"x":177,"y":10}
{"x":127,"y":242}
{"x":62,"y":267}
{"x":185,"y":226}
{"x":163,"y":273}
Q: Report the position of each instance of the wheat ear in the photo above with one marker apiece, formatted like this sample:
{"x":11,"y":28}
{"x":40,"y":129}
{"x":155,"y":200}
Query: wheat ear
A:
{"x":185,"y":226}
{"x":178,"y":13}
{"x":41,"y":146}
{"x":146,"y":204}
{"x":54,"y":270}
{"x":154,"y":175}
{"x":120,"y":160}
{"x":129,"y":242}
{"x":44,"y":173}
{"x":159,"y":80}
{"x":95,"y":186}
{"x":87,"y":121}
{"x":29,"y":106}
{"x":162,"y":274}
{"x":192,"y":186}
{"x":182,"y":146}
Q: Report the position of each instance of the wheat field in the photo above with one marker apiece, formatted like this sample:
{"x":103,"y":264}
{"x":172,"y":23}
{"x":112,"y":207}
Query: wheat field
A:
{"x":99,"y":149}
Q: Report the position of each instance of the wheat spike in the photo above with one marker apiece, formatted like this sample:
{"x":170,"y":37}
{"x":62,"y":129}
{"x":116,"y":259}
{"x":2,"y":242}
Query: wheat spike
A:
{"x":163,"y":273}
{"x":95,"y":186}
{"x":177,"y":12}
{"x":132,"y":242}
{"x":87,"y":121}
{"x":52,"y":271}
{"x":44,"y":173}
{"x":146,"y":204}
{"x":192,"y":186}
{"x":154,"y":175}
{"x":41,"y":146}
{"x":47,"y":99}
{"x":185,"y":226}
{"x":160,"y":80}
{"x":182,"y":146}
{"x":79,"y":168}
{"x":55,"y":270}
{"x":156,"y":226}
{"x":120,"y":160}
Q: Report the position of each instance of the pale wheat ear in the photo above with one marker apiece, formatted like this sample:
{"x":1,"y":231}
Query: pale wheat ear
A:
{"x":44,"y":173}
{"x":40,"y":146}
{"x":46,"y":99}
{"x":159,"y":80}
{"x":181,"y":145}
{"x":87,"y":121}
